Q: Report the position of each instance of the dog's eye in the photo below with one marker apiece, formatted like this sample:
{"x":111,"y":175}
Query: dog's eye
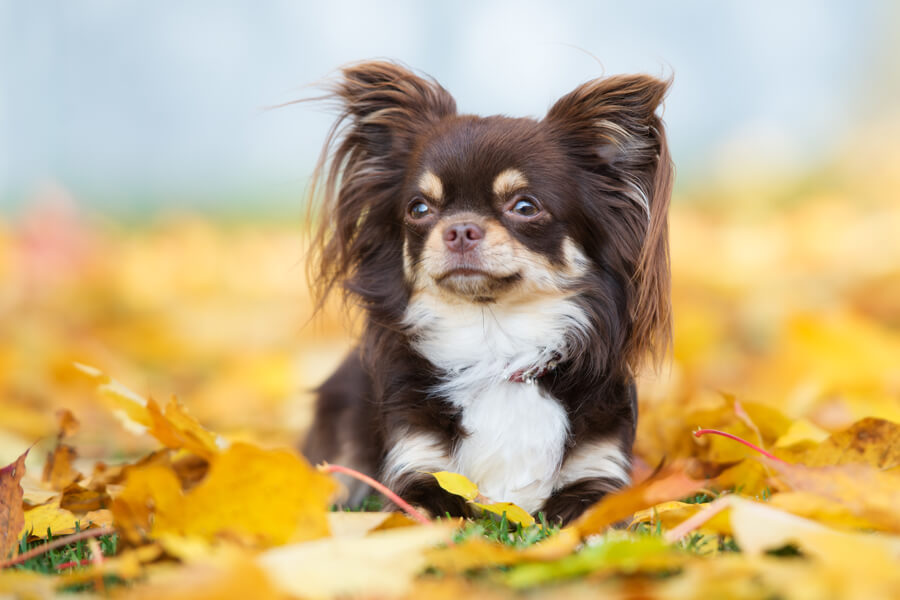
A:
{"x":525,"y":206}
{"x":418,"y":209}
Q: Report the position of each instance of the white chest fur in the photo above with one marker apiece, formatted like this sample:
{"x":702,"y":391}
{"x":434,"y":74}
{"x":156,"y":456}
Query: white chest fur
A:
{"x":516,"y":437}
{"x":516,"y":433}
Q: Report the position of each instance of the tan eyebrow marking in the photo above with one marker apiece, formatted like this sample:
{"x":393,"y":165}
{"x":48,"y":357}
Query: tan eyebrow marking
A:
{"x":430,"y":185}
{"x":508,"y":181}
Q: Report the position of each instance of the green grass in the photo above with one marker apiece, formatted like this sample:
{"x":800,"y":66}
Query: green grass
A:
{"x":58,"y":560}
{"x":49,"y":562}
{"x":500,"y":530}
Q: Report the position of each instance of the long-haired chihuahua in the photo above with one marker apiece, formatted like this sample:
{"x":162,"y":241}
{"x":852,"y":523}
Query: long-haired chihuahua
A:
{"x":513,"y":275}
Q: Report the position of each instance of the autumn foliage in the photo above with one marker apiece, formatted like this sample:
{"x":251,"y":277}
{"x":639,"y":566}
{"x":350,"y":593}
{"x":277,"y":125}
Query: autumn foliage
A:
{"x":155,"y":379}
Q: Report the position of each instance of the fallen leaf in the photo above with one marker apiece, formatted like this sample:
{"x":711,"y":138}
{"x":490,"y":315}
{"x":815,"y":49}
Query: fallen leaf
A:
{"x":174,"y":427}
{"x":79,"y":499}
{"x":864,"y":490}
{"x":801,"y":431}
{"x":870,"y":441}
{"x":460,"y":485}
{"x":514,"y":514}
{"x":758,"y":527}
{"x":623,"y":553}
{"x":479,"y":553}
{"x":457,"y":484}
{"x":236,"y":577}
{"x":66,"y":422}
{"x":395,"y":520}
{"x":58,"y":470}
{"x":11,"y":514}
{"x":671,"y":514}
{"x":379,"y":565}
{"x":821,"y":509}
{"x":127,"y":564}
{"x":258,"y":496}
{"x":56,"y":520}
{"x":666,"y":485}
{"x":16,"y":583}
{"x":34,"y":492}
{"x":355,"y":524}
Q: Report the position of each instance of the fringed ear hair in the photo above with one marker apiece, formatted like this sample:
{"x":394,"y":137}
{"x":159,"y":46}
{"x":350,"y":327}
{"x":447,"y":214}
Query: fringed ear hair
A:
{"x":611,"y":129}
{"x":383,"y":107}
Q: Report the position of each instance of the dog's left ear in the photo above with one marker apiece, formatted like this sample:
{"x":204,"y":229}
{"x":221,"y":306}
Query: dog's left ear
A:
{"x":610,"y":128}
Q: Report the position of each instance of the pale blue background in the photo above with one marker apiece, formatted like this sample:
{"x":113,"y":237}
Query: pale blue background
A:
{"x":135,"y":105}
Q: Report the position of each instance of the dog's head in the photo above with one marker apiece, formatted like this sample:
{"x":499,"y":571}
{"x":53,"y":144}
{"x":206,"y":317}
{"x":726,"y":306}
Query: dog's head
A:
{"x":421,"y":200}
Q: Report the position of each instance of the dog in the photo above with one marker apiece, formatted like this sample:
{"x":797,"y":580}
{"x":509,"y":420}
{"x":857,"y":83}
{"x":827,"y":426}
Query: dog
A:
{"x":513,"y":277}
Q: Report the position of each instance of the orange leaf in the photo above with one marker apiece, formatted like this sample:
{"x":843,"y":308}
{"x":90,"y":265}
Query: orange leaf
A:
{"x":667,"y":485}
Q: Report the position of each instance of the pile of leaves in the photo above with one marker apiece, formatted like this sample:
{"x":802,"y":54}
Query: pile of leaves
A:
{"x":203,"y":515}
{"x":787,"y":338}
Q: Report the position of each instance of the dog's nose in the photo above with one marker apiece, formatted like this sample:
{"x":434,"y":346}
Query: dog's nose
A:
{"x":461,"y":237}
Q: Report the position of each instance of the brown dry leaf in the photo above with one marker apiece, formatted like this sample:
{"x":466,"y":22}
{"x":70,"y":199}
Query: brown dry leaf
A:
{"x":379,"y":565}
{"x":258,"y":496}
{"x":870,"y":441}
{"x":79,"y":499}
{"x":11,"y":514}
{"x":67,"y":423}
{"x":58,"y":470}
{"x":666,"y":485}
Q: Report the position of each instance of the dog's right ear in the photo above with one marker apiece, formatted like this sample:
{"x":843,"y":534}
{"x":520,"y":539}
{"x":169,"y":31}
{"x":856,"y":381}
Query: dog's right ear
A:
{"x":388,"y":104}
{"x":383,"y":109}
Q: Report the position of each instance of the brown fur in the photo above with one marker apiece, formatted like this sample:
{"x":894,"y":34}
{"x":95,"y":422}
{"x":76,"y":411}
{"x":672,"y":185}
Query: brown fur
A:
{"x":600,"y":165}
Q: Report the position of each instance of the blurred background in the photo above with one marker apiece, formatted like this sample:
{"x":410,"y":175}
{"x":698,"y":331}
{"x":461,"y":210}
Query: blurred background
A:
{"x":151,"y":201}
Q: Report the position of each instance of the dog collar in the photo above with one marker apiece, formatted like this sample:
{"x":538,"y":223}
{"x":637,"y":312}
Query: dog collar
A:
{"x":532,"y":374}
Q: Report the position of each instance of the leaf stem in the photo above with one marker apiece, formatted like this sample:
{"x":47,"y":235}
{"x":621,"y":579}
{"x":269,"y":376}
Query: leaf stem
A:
{"x":63,"y":541}
{"x":731,"y":436}
{"x":406,"y":506}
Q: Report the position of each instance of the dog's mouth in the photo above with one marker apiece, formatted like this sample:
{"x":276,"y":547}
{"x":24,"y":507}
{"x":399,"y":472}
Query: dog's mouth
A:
{"x":464,"y":272}
{"x":474,"y":283}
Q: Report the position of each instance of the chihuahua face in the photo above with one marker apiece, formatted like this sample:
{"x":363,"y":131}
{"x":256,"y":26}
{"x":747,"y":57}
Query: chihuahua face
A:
{"x":513,"y":274}
{"x":486,"y":212}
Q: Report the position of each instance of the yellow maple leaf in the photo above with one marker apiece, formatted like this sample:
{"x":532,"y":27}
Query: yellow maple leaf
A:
{"x":460,"y":485}
{"x":173,"y":427}
{"x":60,"y":521}
{"x":264,"y":497}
